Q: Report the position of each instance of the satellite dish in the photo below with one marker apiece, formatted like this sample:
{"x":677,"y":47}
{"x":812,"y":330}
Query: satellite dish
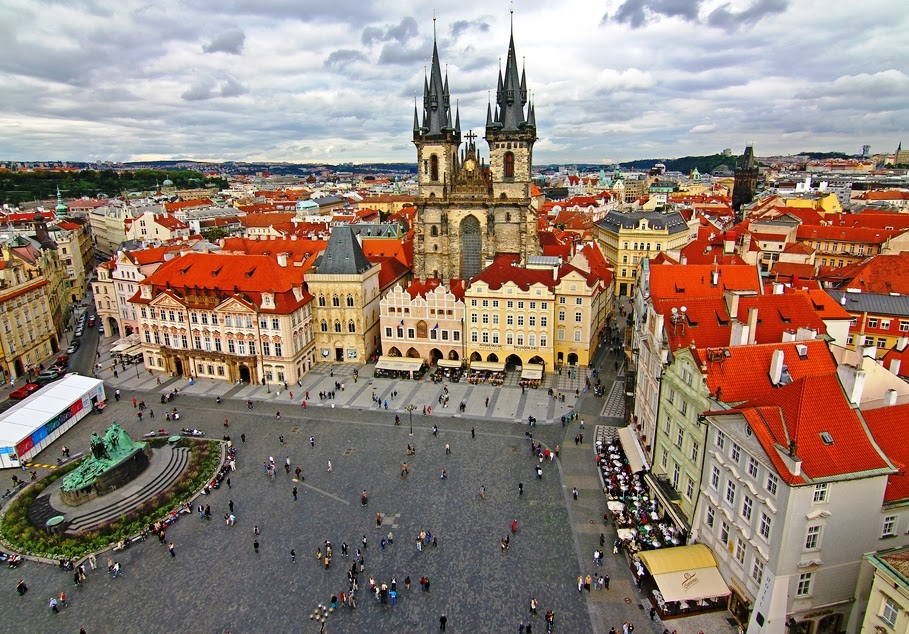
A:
{"x":674,"y":310}
{"x":684,"y":309}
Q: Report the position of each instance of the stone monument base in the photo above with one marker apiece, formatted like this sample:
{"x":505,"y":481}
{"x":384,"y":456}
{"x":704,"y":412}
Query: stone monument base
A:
{"x":115,"y":477}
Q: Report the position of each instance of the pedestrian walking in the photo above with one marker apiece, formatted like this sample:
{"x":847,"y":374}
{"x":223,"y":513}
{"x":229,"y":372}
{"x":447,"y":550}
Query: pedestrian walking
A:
{"x":574,"y":492}
{"x":329,"y":466}
{"x":447,"y":448}
{"x":312,"y":441}
{"x":443,"y":621}
{"x":256,"y":543}
{"x":295,"y":493}
{"x":93,"y":561}
{"x":230,"y":505}
{"x":473,"y":433}
{"x":228,"y":483}
{"x":293,"y":556}
{"x":170,"y":549}
{"x":53,"y":605}
{"x":520,"y":488}
{"x":277,"y":415}
{"x":606,"y":581}
{"x":242,"y":437}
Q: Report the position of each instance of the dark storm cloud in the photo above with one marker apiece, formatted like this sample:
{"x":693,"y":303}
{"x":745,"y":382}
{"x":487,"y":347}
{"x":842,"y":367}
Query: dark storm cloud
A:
{"x":725,"y":18}
{"x":340,"y":59}
{"x":463,"y":26}
{"x":401,"y":33}
{"x":228,"y":42}
{"x":636,"y":13}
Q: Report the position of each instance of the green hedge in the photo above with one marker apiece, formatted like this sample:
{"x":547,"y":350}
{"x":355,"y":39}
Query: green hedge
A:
{"x":19,"y":534}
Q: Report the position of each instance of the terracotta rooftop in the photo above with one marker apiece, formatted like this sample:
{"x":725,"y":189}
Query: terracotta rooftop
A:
{"x":830,"y":438}
{"x":889,"y":427}
{"x":695,"y":280}
{"x":504,"y":269}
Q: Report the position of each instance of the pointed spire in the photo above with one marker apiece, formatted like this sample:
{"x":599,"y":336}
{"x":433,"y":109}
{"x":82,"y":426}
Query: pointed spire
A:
{"x":436,"y":96}
{"x":488,"y":111}
{"x":457,"y":118}
{"x":531,"y":117}
{"x":416,"y":121}
{"x":511,"y":95}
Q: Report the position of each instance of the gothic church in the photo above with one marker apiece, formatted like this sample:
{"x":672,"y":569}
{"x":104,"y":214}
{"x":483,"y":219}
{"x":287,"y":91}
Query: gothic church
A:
{"x":469,"y":211}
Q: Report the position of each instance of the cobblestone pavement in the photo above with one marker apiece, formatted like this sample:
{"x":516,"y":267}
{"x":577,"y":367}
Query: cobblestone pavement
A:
{"x":218,"y":583}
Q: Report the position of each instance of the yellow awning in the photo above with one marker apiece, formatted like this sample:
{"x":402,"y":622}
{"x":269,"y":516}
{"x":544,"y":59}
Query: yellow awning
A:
{"x":449,"y":363}
{"x":633,"y":451}
{"x":487,"y":366}
{"x":532,"y":371}
{"x":685,"y":573}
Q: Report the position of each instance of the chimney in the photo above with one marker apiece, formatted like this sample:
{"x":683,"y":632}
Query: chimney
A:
{"x":729,"y":243}
{"x":895,"y":366}
{"x":683,"y":260}
{"x":738,"y":334}
{"x":732,"y":303}
{"x":802,"y":350}
{"x":282,"y":260}
{"x":890,"y":398}
{"x":853,"y":380}
{"x":788,"y":335}
{"x":804,"y":333}
{"x":714,"y":277}
{"x":776,"y":367}
{"x":901,"y":343}
{"x":752,"y":324}
{"x":778,"y":288}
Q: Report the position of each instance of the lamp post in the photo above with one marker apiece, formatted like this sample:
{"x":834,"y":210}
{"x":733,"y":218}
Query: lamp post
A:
{"x":410,"y":408}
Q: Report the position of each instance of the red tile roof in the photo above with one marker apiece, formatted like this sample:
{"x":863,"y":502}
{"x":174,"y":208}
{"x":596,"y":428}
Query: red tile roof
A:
{"x":694,"y":280}
{"x":420,"y":289}
{"x":800,"y":412}
{"x":187,"y":204}
{"x":879,"y":274}
{"x":505,"y":269}
{"x":861,"y":235}
{"x":889,"y":428}
{"x":741,"y":373}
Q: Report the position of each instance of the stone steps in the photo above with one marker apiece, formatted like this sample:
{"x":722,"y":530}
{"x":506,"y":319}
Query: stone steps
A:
{"x":179,"y":459}
{"x":41,"y":510}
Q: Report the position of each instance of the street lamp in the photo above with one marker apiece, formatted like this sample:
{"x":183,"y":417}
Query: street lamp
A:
{"x":410,"y":408}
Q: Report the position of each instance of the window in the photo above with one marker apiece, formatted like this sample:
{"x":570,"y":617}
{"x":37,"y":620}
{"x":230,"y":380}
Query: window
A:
{"x":890,"y":611}
{"x":388,"y":332}
{"x":675,"y":476}
{"x":889,"y":529}
{"x":724,"y":532}
{"x":577,"y":335}
{"x":350,"y":302}
{"x":711,"y":516}
{"x":747,"y":506}
{"x":689,"y":487}
{"x":578,"y":317}
{"x":765,"y":524}
{"x":757,"y":570}
{"x":904,"y":325}
{"x":872,"y":322}
{"x":736,"y":452}
{"x":730,"y":492}
{"x":885,"y":324}
{"x":683,"y":408}
{"x":544,"y":321}
{"x":695,"y":451}
{"x":672,"y":396}
{"x":520,"y":320}
{"x":740,"y":551}
{"x":664,"y":459}
{"x":715,"y":479}
{"x":803,"y":589}
{"x":275,"y":323}
{"x":352,"y":327}
{"x":679,"y":438}
{"x":509,"y":165}
{"x":266,"y":348}
{"x":752,"y":467}
{"x":820,"y":493}
{"x":812,"y":537}
{"x":434,"y":168}
{"x":720,"y":439}
{"x":772,"y":483}
{"x":561,"y":315}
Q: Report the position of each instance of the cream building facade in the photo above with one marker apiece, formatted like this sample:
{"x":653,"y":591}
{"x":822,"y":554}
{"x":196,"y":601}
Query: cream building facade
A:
{"x":423,"y":321}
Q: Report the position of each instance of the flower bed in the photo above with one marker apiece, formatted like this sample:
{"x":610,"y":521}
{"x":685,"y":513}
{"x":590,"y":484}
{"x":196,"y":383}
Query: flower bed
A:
{"x":19,"y":534}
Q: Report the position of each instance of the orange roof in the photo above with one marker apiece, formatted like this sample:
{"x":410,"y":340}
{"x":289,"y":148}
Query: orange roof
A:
{"x":846,"y":234}
{"x":694,"y":280}
{"x":895,"y":354}
{"x":505,"y":269}
{"x":739,"y":373}
{"x":266,"y":220}
{"x":801,"y":411}
{"x":879,"y":274}
{"x":419,"y":289}
{"x":222,"y":276}
{"x":888,"y":426}
{"x":187,"y":204}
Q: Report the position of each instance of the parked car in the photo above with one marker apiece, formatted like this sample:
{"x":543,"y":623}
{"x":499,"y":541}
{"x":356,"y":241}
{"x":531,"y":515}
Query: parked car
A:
{"x":63,"y":360}
{"x":91,"y":321}
{"x":47,"y":376}
{"x":73,"y":347}
{"x":100,"y":330}
{"x":25,"y":391}
{"x":79,"y":332}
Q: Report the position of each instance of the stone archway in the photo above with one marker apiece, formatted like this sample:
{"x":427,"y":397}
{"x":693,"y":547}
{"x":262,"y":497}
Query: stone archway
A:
{"x":537,"y":360}
{"x":572,"y":359}
{"x":453,"y":355}
{"x":434,"y":355}
{"x":394,"y":352}
{"x":412,"y":353}
{"x":514,"y":361}
{"x":245,"y":374}
{"x":476,"y":357}
{"x":492,"y":358}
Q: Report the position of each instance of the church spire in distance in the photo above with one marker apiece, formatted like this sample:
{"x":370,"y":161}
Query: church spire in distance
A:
{"x":436,"y":99}
{"x":511,"y":95}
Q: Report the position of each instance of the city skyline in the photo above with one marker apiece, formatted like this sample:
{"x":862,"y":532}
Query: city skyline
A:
{"x":335,"y":82}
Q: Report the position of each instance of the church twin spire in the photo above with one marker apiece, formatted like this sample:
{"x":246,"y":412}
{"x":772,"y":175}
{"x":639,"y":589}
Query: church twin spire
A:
{"x":437,"y":121}
{"x":511,"y":97}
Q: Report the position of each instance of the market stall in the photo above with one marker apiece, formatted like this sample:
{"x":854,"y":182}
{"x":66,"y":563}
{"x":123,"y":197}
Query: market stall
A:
{"x":486,"y":372}
{"x":687,"y":580}
{"x":531,"y":375}
{"x":448,"y":370}
{"x":399,"y":367}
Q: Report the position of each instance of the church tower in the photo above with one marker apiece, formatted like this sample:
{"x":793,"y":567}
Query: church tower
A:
{"x":437,"y":136}
{"x":469,"y":212}
{"x":746,"y":174}
{"x":511,"y":132}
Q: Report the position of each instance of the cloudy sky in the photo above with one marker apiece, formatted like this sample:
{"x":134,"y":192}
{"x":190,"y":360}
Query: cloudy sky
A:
{"x":335,"y":80}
